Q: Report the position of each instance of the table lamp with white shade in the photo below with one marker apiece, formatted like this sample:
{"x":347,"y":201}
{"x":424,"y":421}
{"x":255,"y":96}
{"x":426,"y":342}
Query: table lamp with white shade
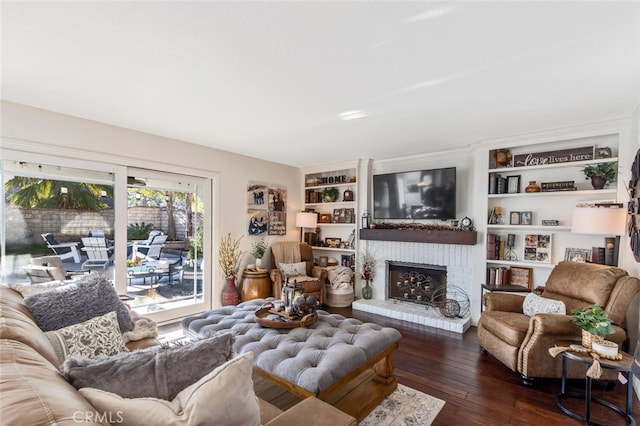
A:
{"x":602,"y":219}
{"x":306,"y":220}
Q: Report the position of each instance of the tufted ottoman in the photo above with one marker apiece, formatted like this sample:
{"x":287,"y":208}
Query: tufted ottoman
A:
{"x":321,"y":360}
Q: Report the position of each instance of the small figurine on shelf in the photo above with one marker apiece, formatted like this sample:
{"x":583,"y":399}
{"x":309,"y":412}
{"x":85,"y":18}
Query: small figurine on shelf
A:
{"x":495,"y":218}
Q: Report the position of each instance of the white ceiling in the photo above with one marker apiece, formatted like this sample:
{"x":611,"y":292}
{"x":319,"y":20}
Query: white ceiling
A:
{"x":268,"y":79}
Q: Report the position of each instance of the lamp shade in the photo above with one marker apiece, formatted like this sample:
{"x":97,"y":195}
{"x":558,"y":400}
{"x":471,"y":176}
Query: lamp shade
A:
{"x":598,"y":220}
{"x":306,"y":220}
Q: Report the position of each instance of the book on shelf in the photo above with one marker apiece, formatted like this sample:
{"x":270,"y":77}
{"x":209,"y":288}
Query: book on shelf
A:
{"x":493,"y":183}
{"x":597,"y":255}
{"x":501,"y":249}
{"x":501,"y":185}
{"x":498,"y":276}
{"x":491,"y":246}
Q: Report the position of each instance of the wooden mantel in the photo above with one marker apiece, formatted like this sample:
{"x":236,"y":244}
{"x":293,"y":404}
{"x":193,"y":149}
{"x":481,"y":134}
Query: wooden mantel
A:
{"x":436,"y":236}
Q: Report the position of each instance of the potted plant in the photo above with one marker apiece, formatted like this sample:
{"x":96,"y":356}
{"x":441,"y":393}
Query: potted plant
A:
{"x":593,"y":321}
{"x":258,"y":250}
{"x":600,"y":174}
{"x":367,"y":269}
{"x":229,"y":258}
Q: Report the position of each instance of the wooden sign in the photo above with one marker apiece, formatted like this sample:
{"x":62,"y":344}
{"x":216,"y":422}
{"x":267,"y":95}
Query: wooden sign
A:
{"x":277,"y":223}
{"x":553,"y":157}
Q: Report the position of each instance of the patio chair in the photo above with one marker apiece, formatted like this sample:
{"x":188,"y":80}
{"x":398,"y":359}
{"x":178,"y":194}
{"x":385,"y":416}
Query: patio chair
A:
{"x":64,"y":250}
{"x":49,"y":268}
{"x":150,"y":250}
{"x":99,"y":253}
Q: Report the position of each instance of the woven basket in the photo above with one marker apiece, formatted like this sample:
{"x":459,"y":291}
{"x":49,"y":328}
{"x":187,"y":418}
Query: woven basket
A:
{"x":587,"y":338}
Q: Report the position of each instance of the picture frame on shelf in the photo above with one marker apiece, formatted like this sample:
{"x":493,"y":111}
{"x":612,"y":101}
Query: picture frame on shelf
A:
{"x":346,"y":260}
{"x":333,"y":242}
{"x":521,"y":276}
{"x":513,"y":184}
{"x":578,"y":254}
{"x":323,"y":261}
{"x":514,"y":218}
{"x":324,"y":218}
{"x":537,"y":248}
{"x":526,"y":218}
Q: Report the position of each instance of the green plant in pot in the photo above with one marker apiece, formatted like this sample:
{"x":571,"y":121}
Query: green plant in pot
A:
{"x":258,"y":249}
{"x":330,"y":195}
{"x":601,"y":174}
{"x":593,"y":321}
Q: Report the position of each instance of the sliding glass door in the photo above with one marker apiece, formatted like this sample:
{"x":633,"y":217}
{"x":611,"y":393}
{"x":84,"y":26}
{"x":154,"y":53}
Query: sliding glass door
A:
{"x":165,"y":241}
{"x":146,"y":230}
{"x":48,"y":210}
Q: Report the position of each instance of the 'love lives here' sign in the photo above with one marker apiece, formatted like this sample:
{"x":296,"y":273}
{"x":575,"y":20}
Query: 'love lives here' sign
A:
{"x":553,"y":157}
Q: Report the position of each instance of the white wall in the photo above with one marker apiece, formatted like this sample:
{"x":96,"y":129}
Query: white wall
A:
{"x":44,"y":131}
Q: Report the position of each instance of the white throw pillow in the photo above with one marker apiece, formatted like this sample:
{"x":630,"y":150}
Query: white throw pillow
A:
{"x":534,"y":304}
{"x":97,"y":336}
{"x":224,"y":397}
{"x":293,"y":269}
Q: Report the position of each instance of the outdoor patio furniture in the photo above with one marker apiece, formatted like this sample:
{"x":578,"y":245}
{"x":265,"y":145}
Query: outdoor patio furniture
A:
{"x":150,"y":250}
{"x":99,"y":253}
{"x":64,"y":250}
{"x":49,"y":268}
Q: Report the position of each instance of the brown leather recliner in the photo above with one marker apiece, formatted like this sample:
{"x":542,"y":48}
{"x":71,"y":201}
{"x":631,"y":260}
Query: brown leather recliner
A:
{"x":294,"y":252}
{"x":522,"y":343}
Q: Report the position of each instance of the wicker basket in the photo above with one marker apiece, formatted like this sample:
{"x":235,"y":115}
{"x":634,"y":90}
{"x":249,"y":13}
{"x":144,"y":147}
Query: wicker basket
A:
{"x":587,"y":338}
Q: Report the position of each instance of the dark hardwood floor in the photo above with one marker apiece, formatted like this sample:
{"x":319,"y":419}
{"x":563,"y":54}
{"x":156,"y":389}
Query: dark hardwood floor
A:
{"x":477,"y":388}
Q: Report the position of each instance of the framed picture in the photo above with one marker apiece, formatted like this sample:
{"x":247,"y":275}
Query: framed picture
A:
{"x":522,"y":277}
{"x":513,"y":184}
{"x":324,"y":218}
{"x":537,"y":248}
{"x":577,"y":254}
{"x":323,"y":261}
{"x":346,"y":260}
{"x":333,"y":242}
{"x":525,"y":218}
{"x":514,"y":218}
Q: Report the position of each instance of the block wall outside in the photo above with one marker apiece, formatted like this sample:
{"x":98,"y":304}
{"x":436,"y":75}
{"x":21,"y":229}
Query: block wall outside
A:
{"x":25,"y":226}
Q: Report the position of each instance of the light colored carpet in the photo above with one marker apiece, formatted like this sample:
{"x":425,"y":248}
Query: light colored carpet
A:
{"x":405,"y":406}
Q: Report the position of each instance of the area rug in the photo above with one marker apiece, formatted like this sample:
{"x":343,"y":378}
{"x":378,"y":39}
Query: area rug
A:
{"x":405,"y":406}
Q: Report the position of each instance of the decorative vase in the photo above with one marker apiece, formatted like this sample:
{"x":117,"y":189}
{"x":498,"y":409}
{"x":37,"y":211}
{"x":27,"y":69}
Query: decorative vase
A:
{"x":230,"y":293}
{"x":258,"y":263}
{"x":367,"y":291}
{"x":598,"y":182}
{"x":532,"y":187}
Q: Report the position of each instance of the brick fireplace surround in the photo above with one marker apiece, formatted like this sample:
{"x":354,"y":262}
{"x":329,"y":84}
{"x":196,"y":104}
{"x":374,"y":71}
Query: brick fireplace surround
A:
{"x":456,"y":259}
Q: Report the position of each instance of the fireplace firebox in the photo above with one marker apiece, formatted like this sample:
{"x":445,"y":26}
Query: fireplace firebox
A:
{"x":416,"y":282}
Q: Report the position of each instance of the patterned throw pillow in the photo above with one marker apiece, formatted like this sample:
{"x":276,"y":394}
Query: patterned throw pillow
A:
{"x":293,"y":269}
{"x":534,"y":304}
{"x":97,"y":336}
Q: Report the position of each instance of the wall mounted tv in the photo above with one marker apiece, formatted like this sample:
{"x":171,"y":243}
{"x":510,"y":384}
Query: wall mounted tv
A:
{"x":420,"y":194}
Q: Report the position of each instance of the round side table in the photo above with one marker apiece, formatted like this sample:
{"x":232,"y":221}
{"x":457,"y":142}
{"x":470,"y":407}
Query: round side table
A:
{"x":255,"y":284}
{"x":622,"y":366}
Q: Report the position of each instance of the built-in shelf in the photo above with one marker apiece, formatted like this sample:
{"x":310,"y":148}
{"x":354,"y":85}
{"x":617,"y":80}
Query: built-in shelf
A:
{"x":436,"y":236}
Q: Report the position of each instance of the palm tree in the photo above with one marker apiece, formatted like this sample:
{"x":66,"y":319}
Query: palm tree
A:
{"x":27,"y":192}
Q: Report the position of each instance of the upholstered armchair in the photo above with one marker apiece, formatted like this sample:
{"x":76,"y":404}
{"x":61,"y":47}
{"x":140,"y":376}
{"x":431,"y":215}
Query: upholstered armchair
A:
{"x":287,"y":258}
{"x":522,"y":342}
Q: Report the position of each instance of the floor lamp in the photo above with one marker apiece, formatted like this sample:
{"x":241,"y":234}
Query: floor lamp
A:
{"x":306,"y":220}
{"x":602,"y":219}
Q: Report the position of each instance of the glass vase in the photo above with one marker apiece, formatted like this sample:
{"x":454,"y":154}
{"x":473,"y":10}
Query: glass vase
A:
{"x":367,"y":291}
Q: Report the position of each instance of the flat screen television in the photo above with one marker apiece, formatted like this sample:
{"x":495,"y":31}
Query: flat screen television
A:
{"x":420,"y":194}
